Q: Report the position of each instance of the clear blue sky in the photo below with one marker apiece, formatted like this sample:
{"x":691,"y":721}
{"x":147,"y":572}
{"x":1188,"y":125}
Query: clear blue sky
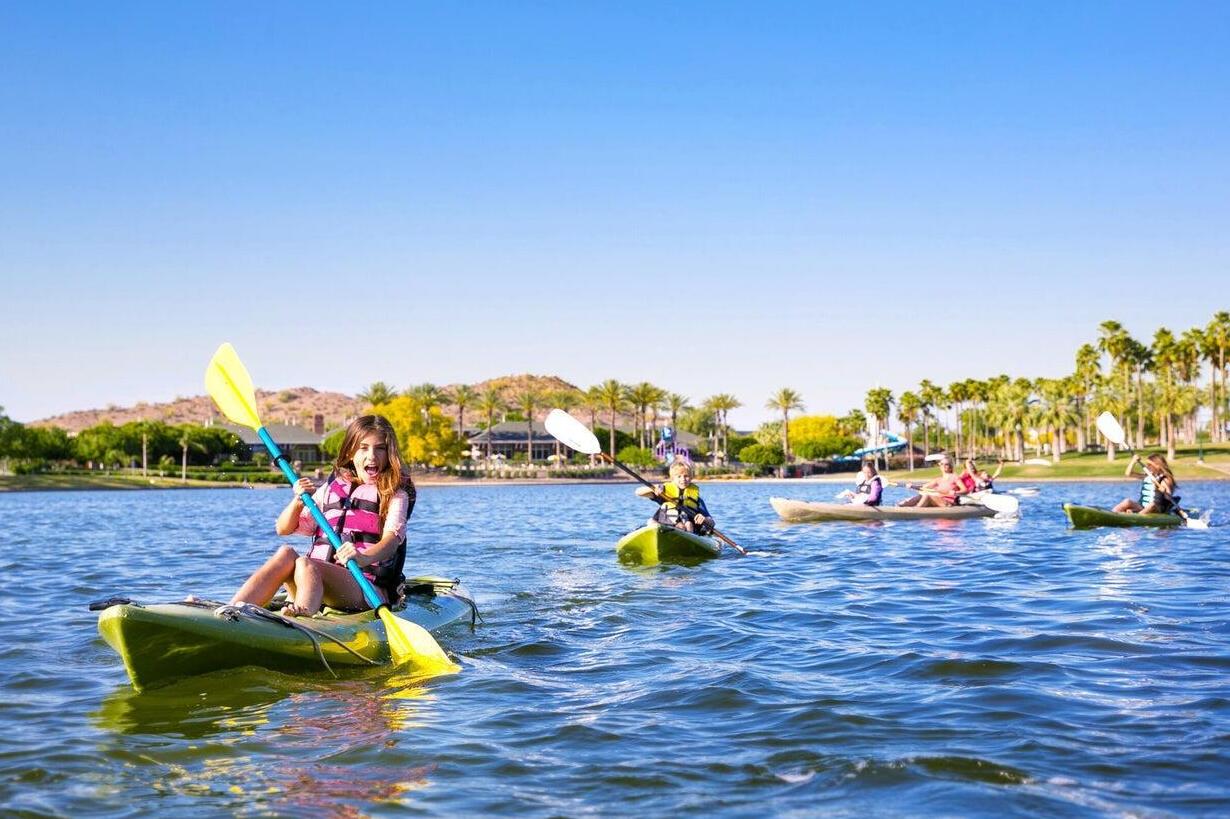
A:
{"x":712,"y":197}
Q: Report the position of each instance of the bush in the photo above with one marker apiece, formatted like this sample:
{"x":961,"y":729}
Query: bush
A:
{"x":637,"y":456}
{"x":763,"y":456}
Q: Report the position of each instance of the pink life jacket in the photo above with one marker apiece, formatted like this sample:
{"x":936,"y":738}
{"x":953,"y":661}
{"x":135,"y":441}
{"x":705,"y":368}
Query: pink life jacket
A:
{"x":355,"y":516}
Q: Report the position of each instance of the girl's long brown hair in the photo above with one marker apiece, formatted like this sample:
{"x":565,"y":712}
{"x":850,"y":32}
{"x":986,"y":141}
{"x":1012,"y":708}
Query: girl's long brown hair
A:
{"x":395,"y":476}
{"x":1158,"y":462}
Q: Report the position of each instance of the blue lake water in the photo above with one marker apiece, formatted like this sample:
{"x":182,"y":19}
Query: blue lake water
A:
{"x":977,"y":667}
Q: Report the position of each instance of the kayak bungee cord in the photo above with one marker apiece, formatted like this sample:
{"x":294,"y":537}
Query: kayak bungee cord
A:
{"x":233,"y":613}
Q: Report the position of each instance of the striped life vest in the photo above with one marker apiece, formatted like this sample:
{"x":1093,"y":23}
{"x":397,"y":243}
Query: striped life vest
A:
{"x":355,"y":516}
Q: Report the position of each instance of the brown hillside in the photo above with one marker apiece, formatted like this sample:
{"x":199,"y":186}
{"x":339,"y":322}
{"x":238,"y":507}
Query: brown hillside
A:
{"x":297,"y":405}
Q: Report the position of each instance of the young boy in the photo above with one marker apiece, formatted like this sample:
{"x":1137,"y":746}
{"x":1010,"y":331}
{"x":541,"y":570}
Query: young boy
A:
{"x":681,"y":505}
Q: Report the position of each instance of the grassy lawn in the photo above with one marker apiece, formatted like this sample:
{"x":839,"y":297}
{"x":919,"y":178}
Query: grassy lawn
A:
{"x":1077,"y":466}
{"x":52,"y":482}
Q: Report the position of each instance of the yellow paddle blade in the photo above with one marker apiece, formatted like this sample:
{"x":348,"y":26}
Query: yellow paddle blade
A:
{"x":411,"y":643}
{"x":228,"y":383}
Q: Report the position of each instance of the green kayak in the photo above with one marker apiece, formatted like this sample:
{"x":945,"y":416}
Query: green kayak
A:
{"x":163,"y":641}
{"x":655,"y":543}
{"x":1087,"y":517}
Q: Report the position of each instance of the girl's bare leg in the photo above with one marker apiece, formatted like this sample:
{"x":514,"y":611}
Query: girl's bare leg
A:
{"x":264,"y":583}
{"x":1127,"y":505}
{"x":340,"y":588}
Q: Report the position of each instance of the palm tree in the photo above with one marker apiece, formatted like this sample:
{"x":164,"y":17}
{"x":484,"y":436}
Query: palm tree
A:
{"x":1010,"y":409}
{"x":527,"y":401}
{"x":1117,"y":344}
{"x":1187,"y":362}
{"x":785,"y":401}
{"x":1088,"y":371}
{"x":1055,"y":412}
{"x":1141,"y":358}
{"x":675,"y":404}
{"x":490,"y":402}
{"x":463,"y":396}
{"x":1216,"y":343}
{"x":908,"y":406}
{"x":931,"y":396}
{"x":189,"y":438}
{"x":640,"y":396}
{"x":427,"y":394}
{"x":722,"y":404}
{"x":377,"y":393}
{"x":1165,"y":357}
{"x":878,"y":404}
{"x":957,"y":395}
{"x":565,"y":400}
{"x":611,"y":393}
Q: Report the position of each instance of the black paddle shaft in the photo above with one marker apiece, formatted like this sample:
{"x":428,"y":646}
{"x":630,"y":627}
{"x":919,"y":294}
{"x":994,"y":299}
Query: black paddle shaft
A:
{"x":659,"y":498}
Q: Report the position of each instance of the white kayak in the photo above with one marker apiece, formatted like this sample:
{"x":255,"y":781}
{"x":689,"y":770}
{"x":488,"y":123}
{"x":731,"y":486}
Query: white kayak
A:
{"x":797,"y":511}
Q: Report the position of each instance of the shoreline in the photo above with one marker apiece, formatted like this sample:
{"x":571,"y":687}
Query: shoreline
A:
{"x":9,"y":485}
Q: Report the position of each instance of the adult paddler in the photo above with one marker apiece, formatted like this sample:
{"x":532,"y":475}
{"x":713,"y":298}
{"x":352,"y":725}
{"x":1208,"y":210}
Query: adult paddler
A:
{"x":941,"y":491}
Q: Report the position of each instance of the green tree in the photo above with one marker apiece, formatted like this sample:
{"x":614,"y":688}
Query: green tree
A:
{"x":377,"y":393}
{"x":878,"y":404}
{"x":1088,"y":373}
{"x":675,"y":404}
{"x":1216,"y":343}
{"x":785,"y":401}
{"x":908,"y":407}
{"x":611,"y":393}
{"x":931,"y":396}
{"x":528,"y":401}
{"x":424,"y":434}
{"x":490,"y":404}
{"x":189,"y":439}
{"x":763,"y":456}
{"x":463,"y":396}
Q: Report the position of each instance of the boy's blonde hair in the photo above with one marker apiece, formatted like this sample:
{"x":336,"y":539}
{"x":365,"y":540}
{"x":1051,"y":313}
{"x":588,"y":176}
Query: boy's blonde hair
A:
{"x":679,"y":467}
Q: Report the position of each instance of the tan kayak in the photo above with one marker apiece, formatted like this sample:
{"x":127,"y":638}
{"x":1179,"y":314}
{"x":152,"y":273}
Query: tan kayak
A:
{"x":797,"y":511}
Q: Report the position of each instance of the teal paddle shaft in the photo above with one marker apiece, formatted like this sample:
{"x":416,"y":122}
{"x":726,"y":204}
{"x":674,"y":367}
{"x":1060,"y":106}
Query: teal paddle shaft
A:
{"x":365,"y":585}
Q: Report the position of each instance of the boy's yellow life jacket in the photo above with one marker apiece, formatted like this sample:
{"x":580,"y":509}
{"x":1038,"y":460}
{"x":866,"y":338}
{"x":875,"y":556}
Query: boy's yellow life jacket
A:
{"x":691,"y":497}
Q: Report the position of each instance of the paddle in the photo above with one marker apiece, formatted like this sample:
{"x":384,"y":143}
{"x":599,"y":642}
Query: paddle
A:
{"x":572,"y":433}
{"x":228,"y":383}
{"x":1005,"y":505}
{"x":1109,"y":426}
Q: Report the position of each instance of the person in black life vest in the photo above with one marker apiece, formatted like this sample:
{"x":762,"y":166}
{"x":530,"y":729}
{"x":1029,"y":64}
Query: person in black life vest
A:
{"x":1157,"y":487}
{"x":680,"y":504}
{"x":869,"y":489}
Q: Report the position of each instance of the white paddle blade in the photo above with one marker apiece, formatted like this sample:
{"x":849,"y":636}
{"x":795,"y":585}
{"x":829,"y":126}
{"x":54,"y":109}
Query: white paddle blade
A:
{"x":572,"y":433}
{"x":1108,"y":425}
{"x":1004,"y":505}
{"x":1197,"y":523}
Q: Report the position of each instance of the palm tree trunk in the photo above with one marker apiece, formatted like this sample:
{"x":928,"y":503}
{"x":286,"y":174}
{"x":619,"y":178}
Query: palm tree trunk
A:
{"x":909,"y":441}
{"x":183,"y":466}
{"x":611,"y":440}
{"x":490,"y":423}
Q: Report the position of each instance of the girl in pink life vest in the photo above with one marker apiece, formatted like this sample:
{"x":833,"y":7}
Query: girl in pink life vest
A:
{"x":367,"y":503}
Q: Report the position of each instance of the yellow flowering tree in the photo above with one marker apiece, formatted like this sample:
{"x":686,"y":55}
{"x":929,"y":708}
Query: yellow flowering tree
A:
{"x":424,"y":434}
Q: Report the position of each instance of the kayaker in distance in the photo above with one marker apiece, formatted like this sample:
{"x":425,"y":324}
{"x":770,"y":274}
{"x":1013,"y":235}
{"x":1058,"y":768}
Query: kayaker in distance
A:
{"x":367,"y":501}
{"x":680,"y":502}
{"x":979,"y":480}
{"x":941,"y":491}
{"x":869,"y":489}
{"x":1157,"y":487}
